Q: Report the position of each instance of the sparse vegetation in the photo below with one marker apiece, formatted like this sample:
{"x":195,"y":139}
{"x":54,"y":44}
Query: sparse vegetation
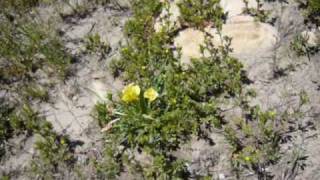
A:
{"x":28,"y":48}
{"x":164,"y":105}
{"x":260,"y":14}
{"x":94,"y":44}
{"x":255,"y":140}
{"x":311,"y":10}
{"x":301,"y":46}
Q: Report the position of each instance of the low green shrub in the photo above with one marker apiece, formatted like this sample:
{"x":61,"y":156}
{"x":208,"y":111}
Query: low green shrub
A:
{"x":255,"y":140}
{"x":201,"y":13}
{"x":185,"y":99}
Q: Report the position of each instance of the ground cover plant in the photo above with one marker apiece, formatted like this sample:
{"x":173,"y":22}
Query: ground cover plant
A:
{"x":26,"y":48}
{"x":165,"y":104}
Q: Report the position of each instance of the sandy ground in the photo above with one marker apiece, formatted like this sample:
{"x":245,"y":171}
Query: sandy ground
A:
{"x":259,"y":46}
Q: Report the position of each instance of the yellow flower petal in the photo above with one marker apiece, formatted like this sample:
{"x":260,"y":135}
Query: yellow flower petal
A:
{"x":130,"y":93}
{"x":150,"y":94}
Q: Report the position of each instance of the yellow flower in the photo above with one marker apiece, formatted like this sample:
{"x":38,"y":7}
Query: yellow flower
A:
{"x":130,"y":93}
{"x":247,"y":158}
{"x":150,"y":94}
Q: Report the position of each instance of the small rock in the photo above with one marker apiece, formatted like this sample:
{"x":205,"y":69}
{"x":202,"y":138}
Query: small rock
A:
{"x":249,"y":36}
{"x":222,"y":176}
{"x":124,"y":3}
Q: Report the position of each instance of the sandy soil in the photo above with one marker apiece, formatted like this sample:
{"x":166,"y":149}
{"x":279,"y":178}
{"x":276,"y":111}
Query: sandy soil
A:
{"x":259,"y":46}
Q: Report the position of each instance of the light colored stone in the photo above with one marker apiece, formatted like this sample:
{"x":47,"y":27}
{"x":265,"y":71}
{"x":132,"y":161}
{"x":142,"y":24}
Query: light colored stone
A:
{"x":235,"y":7}
{"x":247,"y":36}
{"x":311,"y":37}
{"x":189,"y":40}
{"x":240,"y":19}
{"x":250,"y":36}
{"x":124,"y":3}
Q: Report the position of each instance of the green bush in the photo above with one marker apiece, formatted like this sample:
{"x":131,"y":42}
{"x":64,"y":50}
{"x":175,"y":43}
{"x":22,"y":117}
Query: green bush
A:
{"x":188,"y":98}
{"x":201,"y":13}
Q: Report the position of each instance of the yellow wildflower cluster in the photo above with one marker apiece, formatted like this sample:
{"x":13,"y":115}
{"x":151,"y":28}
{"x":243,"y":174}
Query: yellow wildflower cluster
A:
{"x":131,"y":93}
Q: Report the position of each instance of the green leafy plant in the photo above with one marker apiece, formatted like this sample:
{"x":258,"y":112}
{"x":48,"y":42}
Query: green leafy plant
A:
{"x":255,"y":141}
{"x":187,"y":98}
{"x":201,"y":13}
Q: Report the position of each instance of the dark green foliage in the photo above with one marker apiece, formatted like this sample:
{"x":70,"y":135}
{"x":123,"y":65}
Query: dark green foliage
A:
{"x":53,"y":148}
{"x":201,"y":13}
{"x":13,"y":122}
{"x":259,"y":14}
{"x":18,"y":4}
{"x":311,"y":10}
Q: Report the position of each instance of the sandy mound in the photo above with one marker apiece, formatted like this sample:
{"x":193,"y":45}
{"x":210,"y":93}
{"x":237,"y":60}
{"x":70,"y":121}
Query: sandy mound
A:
{"x":247,"y":36}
